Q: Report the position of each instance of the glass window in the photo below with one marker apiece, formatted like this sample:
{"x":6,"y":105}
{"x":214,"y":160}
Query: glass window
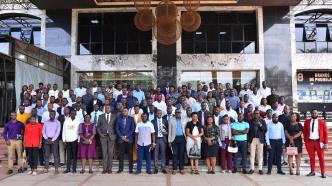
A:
{"x":223,"y":32}
{"x":131,"y":77}
{"x":225,"y":77}
{"x":111,"y":33}
{"x":321,"y":33}
{"x":299,"y":33}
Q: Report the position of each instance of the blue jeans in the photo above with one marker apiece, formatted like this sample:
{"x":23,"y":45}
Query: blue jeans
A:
{"x":243,"y":150}
{"x":143,"y":151}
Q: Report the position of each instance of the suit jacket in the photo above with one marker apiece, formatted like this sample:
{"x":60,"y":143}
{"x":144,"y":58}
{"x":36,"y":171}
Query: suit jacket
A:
{"x":261,"y":131}
{"x":103,"y":127}
{"x":89,"y":107}
{"x":206,"y":113}
{"x":322,"y":130}
{"x":165,"y":117}
{"x":238,"y":110}
{"x":155,"y":124}
{"x":125,"y":130}
{"x":172,"y":128}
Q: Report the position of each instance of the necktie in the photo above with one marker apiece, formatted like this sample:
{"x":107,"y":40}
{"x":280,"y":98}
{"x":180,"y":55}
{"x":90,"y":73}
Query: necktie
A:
{"x":160,"y":128}
{"x":312,"y":125}
{"x":95,"y":119}
{"x":124,"y":122}
{"x":107,"y":118}
{"x":203,"y":119}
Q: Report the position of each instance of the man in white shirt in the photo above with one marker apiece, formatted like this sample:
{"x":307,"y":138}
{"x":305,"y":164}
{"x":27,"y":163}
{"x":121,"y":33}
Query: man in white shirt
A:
{"x":144,"y":133}
{"x":66,"y":91}
{"x":54,"y":92}
{"x":80,"y":113}
{"x":255,"y":97}
{"x":245,"y":91}
{"x":160,"y":104}
{"x":80,"y":91}
{"x":70,"y":139}
{"x":229,"y":111}
{"x":264,"y":91}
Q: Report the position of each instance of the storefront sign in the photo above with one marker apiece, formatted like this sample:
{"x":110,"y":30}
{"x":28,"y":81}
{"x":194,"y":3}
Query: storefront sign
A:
{"x":314,"y":77}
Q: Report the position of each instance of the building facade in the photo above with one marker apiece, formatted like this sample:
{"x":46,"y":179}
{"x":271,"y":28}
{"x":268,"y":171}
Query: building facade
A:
{"x":286,"y":43}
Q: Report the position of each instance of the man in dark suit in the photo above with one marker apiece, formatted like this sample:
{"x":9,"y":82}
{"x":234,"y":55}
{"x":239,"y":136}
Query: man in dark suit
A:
{"x":94,"y":101}
{"x":167,"y":117}
{"x":161,"y":127}
{"x":241,"y":109}
{"x":256,"y":139}
{"x":203,"y":114}
{"x":125,"y":127}
{"x":106,"y":131}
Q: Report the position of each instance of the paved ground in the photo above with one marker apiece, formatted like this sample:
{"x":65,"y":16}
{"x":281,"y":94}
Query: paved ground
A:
{"x":98,"y":179}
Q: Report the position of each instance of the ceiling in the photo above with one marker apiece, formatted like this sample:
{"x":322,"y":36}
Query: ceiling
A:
{"x":70,"y":4}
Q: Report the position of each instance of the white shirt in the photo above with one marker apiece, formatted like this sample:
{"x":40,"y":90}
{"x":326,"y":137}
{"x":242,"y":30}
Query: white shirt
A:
{"x":46,"y":116}
{"x":278,"y":112}
{"x":216,"y":120}
{"x":144,"y":131}
{"x":161,"y":106}
{"x":231,"y":113}
{"x":55,"y":106}
{"x":263,"y":108}
{"x":264,"y":92}
{"x":255,"y":99}
{"x":53,"y":93}
{"x":267,"y":120}
{"x":80,"y":92}
{"x":66,"y":93}
{"x":80,"y":115}
{"x":116,"y":93}
{"x":94,"y":89}
{"x":131,"y":111}
{"x":244,"y":92}
{"x":314,"y":135}
{"x":70,"y":130}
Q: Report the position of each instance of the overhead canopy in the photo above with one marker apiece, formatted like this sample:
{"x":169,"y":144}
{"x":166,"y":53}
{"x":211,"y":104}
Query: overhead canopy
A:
{"x":70,"y":4}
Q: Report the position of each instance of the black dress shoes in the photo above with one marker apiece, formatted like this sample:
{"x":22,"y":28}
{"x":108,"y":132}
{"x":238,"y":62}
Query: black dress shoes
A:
{"x":311,"y":174}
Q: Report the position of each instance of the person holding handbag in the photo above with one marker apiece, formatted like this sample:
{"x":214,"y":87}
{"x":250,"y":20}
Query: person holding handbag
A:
{"x":194,"y":132}
{"x":225,"y":141}
{"x":293,"y":133}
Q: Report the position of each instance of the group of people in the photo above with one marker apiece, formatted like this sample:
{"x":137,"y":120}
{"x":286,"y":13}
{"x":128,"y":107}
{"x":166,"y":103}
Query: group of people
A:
{"x":212,"y":122}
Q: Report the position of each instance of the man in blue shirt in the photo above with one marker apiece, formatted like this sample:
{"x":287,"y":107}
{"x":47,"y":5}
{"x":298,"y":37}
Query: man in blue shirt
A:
{"x":125,"y":127}
{"x":234,"y":100}
{"x":177,"y":141}
{"x":275,"y":140}
{"x":240,"y":130}
{"x":138,"y":93}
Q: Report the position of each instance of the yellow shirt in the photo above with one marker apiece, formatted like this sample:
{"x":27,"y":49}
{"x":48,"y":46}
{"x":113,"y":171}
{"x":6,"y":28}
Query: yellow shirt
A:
{"x":23,"y":117}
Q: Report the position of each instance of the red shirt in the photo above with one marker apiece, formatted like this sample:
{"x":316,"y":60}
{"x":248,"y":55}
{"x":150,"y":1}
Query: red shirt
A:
{"x":33,"y":135}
